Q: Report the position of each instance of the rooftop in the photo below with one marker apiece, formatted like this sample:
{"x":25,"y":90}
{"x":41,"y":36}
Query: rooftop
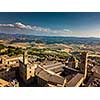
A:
{"x":96,"y":69}
{"x":76,"y":80}
{"x":94,"y":83}
{"x":4,"y":83}
{"x":49,"y":76}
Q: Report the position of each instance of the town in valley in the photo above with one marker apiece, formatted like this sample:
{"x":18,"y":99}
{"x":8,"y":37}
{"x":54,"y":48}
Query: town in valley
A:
{"x":52,"y":59}
{"x":49,"y":65}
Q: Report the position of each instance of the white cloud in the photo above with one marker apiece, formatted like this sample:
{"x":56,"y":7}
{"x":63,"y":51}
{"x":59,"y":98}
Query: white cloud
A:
{"x":20,"y":28}
{"x":67,"y":30}
{"x":4,"y":25}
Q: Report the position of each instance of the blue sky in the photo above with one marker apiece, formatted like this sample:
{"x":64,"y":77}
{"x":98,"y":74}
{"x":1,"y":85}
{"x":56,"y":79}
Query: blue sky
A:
{"x":52,"y":23}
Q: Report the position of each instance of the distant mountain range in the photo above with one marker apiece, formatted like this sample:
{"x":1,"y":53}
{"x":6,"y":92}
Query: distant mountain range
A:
{"x":50,"y":39}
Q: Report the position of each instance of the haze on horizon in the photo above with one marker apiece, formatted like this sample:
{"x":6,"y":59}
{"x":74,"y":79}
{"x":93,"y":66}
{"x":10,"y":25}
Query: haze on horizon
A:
{"x":75,"y":24}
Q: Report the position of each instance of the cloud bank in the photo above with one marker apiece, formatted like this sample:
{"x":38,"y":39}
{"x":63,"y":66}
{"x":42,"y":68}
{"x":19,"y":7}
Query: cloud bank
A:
{"x":28,"y":29}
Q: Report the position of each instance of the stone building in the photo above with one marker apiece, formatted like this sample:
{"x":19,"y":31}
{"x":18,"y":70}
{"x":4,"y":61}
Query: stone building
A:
{"x":7,"y":73}
{"x":69,"y":77}
{"x":6,"y":60}
{"x":4,"y":83}
{"x":72,"y":62}
{"x":26,"y":70}
{"x":47,"y":77}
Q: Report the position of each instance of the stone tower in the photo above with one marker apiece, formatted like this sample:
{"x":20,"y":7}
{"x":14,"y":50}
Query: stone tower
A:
{"x":83,"y":63}
{"x":26,"y":70}
{"x":25,"y":58}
